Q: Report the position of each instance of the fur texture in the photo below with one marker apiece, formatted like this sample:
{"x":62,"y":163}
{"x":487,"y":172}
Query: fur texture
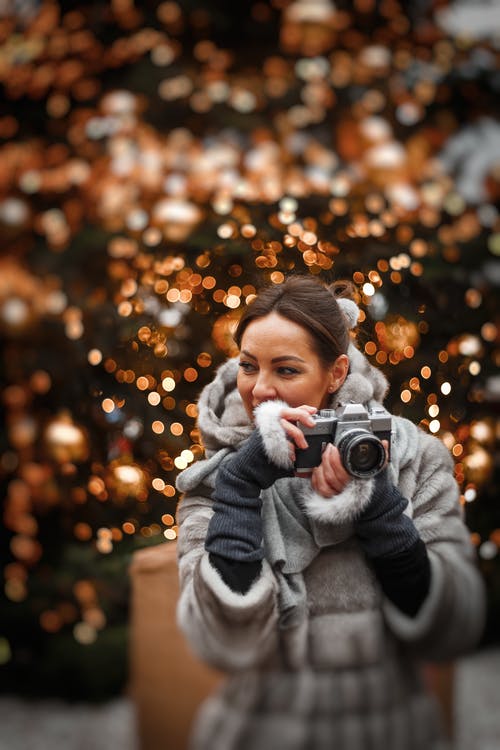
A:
{"x":364,"y":381}
{"x":350,"y":311}
{"x":221,"y":411}
{"x":343,"y":671}
{"x":267,"y":419}
{"x":341,"y":508}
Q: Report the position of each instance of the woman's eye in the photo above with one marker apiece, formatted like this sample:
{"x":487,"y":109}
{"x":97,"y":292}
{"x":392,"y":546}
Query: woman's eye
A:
{"x":246,"y":366}
{"x":288,"y":371}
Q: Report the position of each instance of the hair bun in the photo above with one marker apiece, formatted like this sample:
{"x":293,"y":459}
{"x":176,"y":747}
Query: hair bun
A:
{"x":343,"y":288}
{"x":350,"y":311}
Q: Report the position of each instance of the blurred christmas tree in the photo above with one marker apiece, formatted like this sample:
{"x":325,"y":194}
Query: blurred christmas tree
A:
{"x":158,"y":163}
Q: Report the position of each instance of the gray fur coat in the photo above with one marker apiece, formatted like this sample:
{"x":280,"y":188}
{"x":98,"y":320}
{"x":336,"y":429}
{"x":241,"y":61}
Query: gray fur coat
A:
{"x":316,"y":657}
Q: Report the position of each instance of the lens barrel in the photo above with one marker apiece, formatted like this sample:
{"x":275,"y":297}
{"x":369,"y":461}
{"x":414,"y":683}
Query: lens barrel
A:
{"x":362,"y":453}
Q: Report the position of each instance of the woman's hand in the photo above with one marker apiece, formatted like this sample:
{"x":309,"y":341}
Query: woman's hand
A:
{"x":289,"y":417}
{"x":330,"y":478}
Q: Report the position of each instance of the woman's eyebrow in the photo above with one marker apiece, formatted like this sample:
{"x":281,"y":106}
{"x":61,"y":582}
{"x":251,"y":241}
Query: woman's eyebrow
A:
{"x":275,"y":360}
{"x":287,"y":357}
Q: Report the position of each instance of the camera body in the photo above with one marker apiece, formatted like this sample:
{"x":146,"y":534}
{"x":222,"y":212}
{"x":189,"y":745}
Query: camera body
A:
{"x":357,"y":433}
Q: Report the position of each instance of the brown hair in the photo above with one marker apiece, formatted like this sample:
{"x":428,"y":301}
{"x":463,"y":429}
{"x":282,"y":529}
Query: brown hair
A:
{"x":311,"y":304}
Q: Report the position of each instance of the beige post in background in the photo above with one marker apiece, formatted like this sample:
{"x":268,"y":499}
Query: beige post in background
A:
{"x":167,"y":682}
{"x":440,"y":680}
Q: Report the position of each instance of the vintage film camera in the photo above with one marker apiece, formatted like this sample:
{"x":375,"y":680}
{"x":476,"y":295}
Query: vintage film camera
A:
{"x":356,"y":432}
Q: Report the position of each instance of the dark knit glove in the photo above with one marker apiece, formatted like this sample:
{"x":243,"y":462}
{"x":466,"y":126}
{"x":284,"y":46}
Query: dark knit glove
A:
{"x":391,"y":541}
{"x":382,"y":528}
{"x":235,"y":529}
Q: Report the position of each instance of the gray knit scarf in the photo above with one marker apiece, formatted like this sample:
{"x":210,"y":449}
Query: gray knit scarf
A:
{"x":291,"y":539}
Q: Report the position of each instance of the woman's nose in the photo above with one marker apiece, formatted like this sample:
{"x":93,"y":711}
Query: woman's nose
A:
{"x":263,"y":389}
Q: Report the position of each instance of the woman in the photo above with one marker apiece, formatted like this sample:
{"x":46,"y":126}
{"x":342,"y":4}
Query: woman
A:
{"x":317,"y":595}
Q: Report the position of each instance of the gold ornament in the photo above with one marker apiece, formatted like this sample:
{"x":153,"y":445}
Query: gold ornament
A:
{"x":126,"y":479}
{"x":397,"y":333}
{"x":478,"y":465}
{"x":65,"y":441}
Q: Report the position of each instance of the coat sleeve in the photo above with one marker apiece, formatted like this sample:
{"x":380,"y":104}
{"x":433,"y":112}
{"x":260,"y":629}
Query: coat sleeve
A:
{"x":451,"y":618}
{"x":226,"y":629}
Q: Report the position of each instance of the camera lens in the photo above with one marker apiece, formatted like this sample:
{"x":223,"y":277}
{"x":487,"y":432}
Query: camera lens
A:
{"x":362,"y":453}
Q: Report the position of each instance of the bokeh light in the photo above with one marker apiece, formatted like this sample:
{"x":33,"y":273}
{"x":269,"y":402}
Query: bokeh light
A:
{"x":151,"y":182}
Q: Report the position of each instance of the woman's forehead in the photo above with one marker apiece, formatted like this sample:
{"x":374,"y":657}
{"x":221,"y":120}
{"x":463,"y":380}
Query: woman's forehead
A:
{"x":274,"y":330}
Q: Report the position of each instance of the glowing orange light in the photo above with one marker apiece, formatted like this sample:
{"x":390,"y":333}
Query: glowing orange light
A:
{"x":192,"y":411}
{"x":142,"y":383}
{"x":190,"y":374}
{"x":96,"y":485}
{"x":125,"y":309}
{"x":489,"y":331}
{"x":51,"y":621}
{"x":382,"y":265}
{"x":108,"y":405}
{"x":161,"y":286}
{"x":173,"y":295}
{"x":83,"y":532}
{"x":418,"y":248}
{"x":168,"y":384}
{"x":195,"y":279}
{"x":94,"y":357}
{"x":204,"y":359}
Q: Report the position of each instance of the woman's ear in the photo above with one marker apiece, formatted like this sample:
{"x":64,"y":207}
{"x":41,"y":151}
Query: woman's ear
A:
{"x":338,"y":373}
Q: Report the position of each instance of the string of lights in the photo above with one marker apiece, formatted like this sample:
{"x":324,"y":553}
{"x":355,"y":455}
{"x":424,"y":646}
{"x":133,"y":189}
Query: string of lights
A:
{"x":156,"y":169}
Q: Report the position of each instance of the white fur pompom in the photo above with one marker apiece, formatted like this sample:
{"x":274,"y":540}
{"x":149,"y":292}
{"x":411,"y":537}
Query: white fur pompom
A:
{"x":350,"y":311}
{"x":341,"y":508}
{"x":276,"y":445}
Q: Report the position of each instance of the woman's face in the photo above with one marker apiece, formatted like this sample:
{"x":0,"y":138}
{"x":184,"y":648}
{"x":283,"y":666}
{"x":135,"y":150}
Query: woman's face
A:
{"x":277,"y":361}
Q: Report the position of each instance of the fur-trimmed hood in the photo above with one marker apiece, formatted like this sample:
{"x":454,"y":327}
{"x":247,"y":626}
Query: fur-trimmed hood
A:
{"x":224,"y":425}
{"x":223,"y":421}
{"x":319,"y":656}
{"x":305,"y":534}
